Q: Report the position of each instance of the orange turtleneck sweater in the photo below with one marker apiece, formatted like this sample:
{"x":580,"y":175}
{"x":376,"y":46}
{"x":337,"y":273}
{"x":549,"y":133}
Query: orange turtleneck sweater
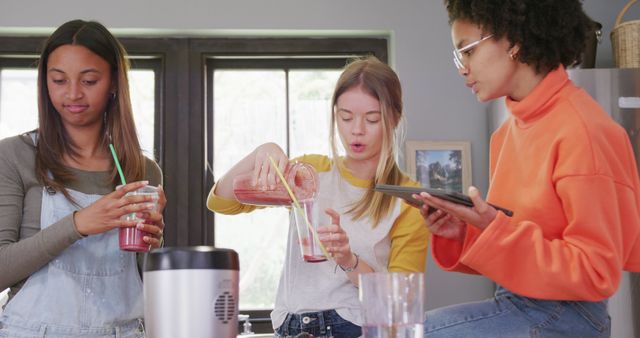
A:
{"x":568,"y":172}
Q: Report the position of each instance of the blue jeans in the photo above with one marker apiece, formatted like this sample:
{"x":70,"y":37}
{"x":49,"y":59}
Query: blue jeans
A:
{"x":511,"y":315}
{"x":319,"y":324}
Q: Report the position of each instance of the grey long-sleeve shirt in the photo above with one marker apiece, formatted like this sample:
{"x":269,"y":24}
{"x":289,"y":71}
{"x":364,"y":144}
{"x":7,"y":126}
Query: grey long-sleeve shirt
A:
{"x":24,"y":247}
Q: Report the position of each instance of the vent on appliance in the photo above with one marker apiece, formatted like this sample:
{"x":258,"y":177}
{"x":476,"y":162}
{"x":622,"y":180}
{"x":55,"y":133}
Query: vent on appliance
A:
{"x":225,"y":307}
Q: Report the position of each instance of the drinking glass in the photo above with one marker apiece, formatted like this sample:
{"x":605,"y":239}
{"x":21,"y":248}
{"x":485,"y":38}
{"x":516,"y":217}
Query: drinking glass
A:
{"x":131,"y":238}
{"x":308,"y":217}
{"x":392,"y":304}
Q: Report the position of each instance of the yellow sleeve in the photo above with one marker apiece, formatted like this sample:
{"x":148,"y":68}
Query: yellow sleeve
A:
{"x":227,"y":206}
{"x":320,"y":163}
{"x":409,"y":239}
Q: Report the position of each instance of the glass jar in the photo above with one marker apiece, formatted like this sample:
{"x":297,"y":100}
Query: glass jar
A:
{"x":301,"y":177}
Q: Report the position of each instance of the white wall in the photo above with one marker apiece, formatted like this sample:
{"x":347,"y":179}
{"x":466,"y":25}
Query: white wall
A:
{"x":438,"y":105}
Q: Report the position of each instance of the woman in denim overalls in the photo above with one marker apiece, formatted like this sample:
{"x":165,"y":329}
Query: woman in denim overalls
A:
{"x":82,"y":284}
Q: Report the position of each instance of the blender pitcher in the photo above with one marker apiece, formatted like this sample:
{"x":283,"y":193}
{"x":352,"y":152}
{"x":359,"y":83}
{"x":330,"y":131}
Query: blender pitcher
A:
{"x":301,"y":177}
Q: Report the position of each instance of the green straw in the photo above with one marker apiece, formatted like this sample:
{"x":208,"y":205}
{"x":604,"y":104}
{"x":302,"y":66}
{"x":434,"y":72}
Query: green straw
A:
{"x":115,"y":159}
{"x":298,"y":207}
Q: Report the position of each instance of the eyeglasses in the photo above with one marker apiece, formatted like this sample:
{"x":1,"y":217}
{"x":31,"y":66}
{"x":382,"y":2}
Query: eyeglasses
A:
{"x":458,"y":53}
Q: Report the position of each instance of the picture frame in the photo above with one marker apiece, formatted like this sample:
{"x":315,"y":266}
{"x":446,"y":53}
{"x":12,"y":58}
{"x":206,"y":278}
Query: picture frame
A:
{"x":440,"y":165}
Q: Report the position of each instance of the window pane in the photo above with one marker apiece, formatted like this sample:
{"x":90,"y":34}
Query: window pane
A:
{"x":260,"y":239}
{"x":143,"y":98}
{"x":19,"y":103}
{"x":249,"y":110}
{"x":310,"y":106}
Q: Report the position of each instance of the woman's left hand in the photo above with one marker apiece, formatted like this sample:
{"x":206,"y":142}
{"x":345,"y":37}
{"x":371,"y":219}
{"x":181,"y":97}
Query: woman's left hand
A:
{"x":153,"y":223}
{"x":480,"y":215}
{"x":336,"y":241}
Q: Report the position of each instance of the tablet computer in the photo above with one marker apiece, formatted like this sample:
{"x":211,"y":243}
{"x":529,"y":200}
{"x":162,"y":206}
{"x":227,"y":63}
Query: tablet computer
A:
{"x":406,"y":194}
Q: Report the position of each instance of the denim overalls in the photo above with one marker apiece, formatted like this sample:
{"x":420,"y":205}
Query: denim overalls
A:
{"x":92,"y":289}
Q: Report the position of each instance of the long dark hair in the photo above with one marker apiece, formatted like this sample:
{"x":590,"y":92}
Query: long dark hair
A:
{"x":119,"y":127}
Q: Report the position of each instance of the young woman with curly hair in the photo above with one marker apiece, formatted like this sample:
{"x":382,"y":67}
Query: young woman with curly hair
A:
{"x":564,"y":167}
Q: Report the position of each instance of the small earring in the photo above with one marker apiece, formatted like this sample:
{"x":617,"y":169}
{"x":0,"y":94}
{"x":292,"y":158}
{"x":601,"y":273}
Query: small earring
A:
{"x":513,"y":56}
{"x":113,"y":96}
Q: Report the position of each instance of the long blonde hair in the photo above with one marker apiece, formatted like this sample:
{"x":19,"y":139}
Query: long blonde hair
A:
{"x":381,"y":82}
{"x":53,"y":139}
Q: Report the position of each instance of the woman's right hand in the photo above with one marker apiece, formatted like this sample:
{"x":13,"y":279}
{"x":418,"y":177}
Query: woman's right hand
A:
{"x":257,"y":164}
{"x":104,"y":214}
{"x":441,"y":223}
{"x":263,"y":173}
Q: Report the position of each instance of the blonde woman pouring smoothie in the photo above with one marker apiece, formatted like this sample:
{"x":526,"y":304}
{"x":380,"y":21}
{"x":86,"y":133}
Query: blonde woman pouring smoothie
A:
{"x":368,"y":231}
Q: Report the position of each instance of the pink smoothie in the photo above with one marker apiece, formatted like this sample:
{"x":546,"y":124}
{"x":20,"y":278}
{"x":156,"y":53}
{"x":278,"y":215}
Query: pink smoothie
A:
{"x":301,"y":177}
{"x":310,"y":248}
{"x":314,"y":259}
{"x":131,"y":240}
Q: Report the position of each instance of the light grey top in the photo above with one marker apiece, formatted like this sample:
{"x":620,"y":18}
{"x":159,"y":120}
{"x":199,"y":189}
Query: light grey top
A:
{"x":312,"y":287}
{"x":24,"y":247}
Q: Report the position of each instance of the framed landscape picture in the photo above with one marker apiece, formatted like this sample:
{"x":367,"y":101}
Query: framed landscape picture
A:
{"x":440,"y":165}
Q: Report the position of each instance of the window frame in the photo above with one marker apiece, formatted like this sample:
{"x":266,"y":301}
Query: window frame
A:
{"x":183,"y":135}
{"x":161,"y":55}
{"x":269,"y":54}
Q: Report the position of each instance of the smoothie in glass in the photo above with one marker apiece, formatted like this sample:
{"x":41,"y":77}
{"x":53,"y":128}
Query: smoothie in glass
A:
{"x":131,"y":238}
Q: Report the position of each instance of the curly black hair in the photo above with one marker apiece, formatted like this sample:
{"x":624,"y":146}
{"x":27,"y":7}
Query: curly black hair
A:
{"x":549,"y":32}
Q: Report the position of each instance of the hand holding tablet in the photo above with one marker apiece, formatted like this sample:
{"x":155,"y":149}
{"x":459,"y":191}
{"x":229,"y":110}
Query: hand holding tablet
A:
{"x":406,"y":193}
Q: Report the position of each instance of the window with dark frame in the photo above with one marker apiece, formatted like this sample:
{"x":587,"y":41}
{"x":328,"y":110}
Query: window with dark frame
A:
{"x":185,"y":143}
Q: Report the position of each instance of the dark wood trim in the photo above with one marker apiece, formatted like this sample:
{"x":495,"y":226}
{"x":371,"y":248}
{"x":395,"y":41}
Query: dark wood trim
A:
{"x":21,"y":45}
{"x":19,"y":62}
{"x":263,"y":53}
{"x":278,"y":63}
{"x":293,"y":46}
{"x":184,"y":141}
{"x":635,"y":299}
